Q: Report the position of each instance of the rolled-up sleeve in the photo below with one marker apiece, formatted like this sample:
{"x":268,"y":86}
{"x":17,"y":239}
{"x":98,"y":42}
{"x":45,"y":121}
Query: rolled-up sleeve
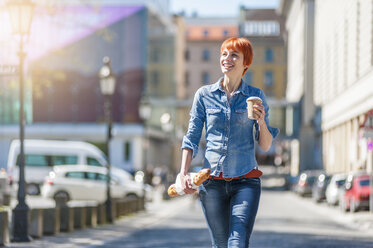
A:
{"x":197,"y":119}
{"x":274,"y":131}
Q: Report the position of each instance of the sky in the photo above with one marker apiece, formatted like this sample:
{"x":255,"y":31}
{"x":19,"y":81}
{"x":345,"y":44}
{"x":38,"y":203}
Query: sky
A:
{"x":218,"y":8}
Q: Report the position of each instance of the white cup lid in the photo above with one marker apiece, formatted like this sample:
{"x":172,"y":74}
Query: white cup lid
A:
{"x":254,"y":98}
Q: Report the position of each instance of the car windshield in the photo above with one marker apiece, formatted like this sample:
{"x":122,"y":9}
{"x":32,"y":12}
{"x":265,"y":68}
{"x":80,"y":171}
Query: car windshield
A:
{"x":340,"y":183}
{"x":364,"y":182}
{"x":311,"y":179}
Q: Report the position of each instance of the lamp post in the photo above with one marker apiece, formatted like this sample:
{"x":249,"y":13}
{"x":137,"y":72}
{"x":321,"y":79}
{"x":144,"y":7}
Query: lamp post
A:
{"x":145,"y":111}
{"x":168,"y":127}
{"x":21,"y":14}
{"x":107,"y":86}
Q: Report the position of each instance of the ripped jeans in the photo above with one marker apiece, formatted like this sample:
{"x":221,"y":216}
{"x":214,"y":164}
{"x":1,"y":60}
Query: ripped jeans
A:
{"x":230,"y":208}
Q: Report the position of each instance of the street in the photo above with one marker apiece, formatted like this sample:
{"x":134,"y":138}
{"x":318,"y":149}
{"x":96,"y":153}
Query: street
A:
{"x":284,"y":221}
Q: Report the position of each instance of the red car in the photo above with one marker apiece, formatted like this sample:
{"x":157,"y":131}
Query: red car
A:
{"x":357,"y":192}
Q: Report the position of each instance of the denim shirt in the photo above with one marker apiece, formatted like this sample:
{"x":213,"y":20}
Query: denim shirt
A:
{"x":229,"y":132}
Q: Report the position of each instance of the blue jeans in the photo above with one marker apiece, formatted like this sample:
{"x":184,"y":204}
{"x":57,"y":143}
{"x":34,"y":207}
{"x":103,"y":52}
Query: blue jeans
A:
{"x":230,"y":209}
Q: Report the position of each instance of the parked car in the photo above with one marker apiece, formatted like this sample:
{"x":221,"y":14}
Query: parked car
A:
{"x":42,"y":155}
{"x":357,"y":191}
{"x":291,"y":182}
{"x":334,"y":188}
{"x":319,"y":187}
{"x":84,"y":182}
{"x":306,"y":181}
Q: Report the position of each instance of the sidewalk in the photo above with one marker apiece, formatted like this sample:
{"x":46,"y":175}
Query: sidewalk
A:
{"x":155,"y":212}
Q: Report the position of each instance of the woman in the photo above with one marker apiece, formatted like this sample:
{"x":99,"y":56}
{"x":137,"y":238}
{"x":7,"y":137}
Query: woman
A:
{"x":230,"y":197}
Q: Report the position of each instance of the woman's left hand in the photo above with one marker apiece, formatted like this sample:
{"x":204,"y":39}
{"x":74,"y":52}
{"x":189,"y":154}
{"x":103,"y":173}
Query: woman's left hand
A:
{"x":259,"y":113}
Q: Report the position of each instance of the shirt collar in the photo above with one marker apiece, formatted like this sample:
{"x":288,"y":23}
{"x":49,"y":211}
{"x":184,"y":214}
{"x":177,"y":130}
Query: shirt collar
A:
{"x":243,"y":88}
{"x":216,"y":86}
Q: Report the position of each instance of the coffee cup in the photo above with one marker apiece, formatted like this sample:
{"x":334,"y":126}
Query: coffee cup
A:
{"x":251,"y":101}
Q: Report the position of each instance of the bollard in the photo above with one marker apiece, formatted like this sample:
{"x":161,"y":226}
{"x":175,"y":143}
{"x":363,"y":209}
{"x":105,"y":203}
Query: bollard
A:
{"x":122,"y":207}
{"x":101,"y":214}
{"x":36,"y":223}
{"x":51,"y":221}
{"x":79,"y":217}
{"x":66,"y":219}
{"x":114,"y":209}
{"x":91,"y":216}
{"x":4,"y":228}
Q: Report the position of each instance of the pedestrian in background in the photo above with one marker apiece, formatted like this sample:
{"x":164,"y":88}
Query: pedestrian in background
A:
{"x":230,"y":197}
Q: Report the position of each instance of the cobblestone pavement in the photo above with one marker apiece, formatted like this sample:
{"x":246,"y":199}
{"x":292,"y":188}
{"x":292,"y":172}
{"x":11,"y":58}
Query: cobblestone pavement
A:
{"x":284,"y":221}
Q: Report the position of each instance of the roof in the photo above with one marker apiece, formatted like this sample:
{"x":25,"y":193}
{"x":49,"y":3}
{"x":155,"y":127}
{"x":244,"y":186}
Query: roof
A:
{"x":82,"y":167}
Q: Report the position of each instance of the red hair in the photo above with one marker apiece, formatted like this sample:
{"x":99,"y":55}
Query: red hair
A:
{"x":240,"y":44}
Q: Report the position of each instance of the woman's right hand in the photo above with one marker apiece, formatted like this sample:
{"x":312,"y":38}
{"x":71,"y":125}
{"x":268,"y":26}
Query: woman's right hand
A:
{"x":186,"y":183}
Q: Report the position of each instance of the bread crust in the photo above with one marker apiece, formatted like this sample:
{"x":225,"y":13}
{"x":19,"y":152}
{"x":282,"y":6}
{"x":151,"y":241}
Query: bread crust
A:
{"x":201,"y":176}
{"x":172,"y":191}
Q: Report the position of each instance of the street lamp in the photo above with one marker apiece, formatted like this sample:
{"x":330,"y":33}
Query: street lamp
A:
{"x":166,"y":122}
{"x":21,"y":13}
{"x":107,"y":86}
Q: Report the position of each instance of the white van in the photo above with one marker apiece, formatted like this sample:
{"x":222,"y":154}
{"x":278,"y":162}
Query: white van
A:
{"x":42,"y":155}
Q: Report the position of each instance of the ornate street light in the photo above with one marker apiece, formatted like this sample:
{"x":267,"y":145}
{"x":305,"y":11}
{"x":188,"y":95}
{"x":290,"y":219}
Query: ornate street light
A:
{"x":107,"y":86}
{"x":21,"y":13}
{"x":166,"y":122}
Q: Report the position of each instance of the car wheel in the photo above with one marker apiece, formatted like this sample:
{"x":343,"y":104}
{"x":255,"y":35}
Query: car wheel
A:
{"x":33,"y":189}
{"x":61,"y":196}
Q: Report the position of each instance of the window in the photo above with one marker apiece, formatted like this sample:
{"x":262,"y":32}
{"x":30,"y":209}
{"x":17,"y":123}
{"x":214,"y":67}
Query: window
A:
{"x":35,"y":160}
{"x":205,"y":33}
{"x":205,"y":55}
{"x":186,"y":55}
{"x":187,"y":79}
{"x":155,"y":79}
{"x":155,"y":54}
{"x":260,"y":28}
{"x":268,"y":79}
{"x":269,"y":55}
{"x":205,"y":78}
{"x":101,"y":177}
{"x":64,"y":159}
{"x":93,"y":161}
{"x":91,"y":175}
{"x":75,"y":174}
{"x":48,"y":160}
{"x":127,"y":151}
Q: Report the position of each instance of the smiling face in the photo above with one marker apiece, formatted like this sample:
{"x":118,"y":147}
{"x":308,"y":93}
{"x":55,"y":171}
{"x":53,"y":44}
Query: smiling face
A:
{"x":236,"y":53}
{"x":232,"y":62}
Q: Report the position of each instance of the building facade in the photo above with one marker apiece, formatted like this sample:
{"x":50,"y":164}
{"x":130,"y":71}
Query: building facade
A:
{"x":265,"y":30}
{"x":330,"y":70}
{"x":301,"y":116}
{"x":343,"y":83}
{"x":65,"y":56}
{"x":204,"y":38}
